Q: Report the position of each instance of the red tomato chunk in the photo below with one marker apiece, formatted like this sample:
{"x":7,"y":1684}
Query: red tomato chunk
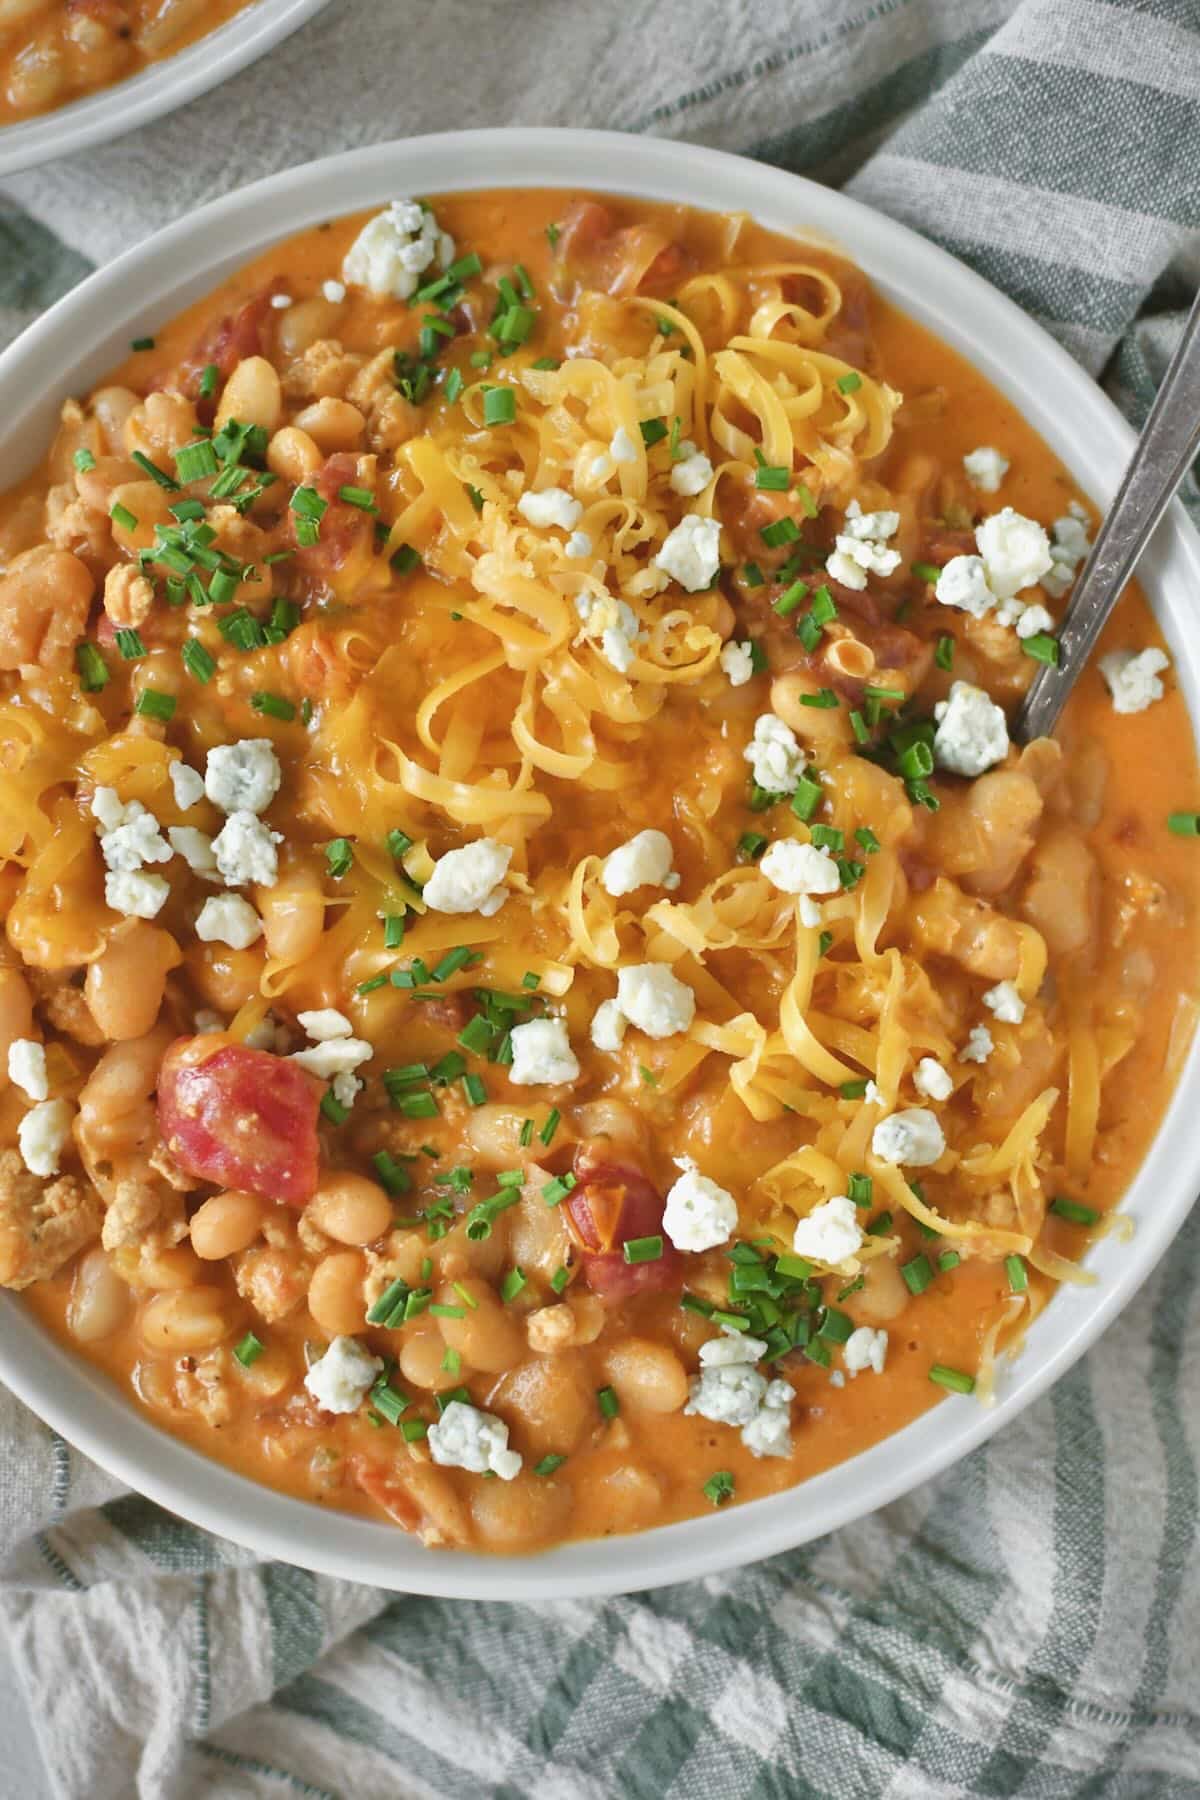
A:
{"x":240,"y":1118}
{"x":613,"y":1204}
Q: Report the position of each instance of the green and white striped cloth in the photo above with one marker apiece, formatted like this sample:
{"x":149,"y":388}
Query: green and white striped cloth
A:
{"x":1028,"y":1625}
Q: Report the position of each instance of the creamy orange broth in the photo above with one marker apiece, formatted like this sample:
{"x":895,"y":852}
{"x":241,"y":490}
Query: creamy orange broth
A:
{"x":53,"y":51}
{"x":1131,"y":982}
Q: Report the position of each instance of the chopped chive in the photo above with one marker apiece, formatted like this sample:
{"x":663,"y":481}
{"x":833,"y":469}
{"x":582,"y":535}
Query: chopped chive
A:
{"x":752,"y":575}
{"x":451,"y":1360}
{"x":780,"y":531}
{"x":836,"y":1326}
{"x":549,"y":1464}
{"x":850,"y":872}
{"x":653,"y":431}
{"x":806,"y":798}
{"x":773,"y":478}
{"x":197,"y":661}
{"x":142,"y":343}
{"x":393,"y":931}
{"x":526,"y":1137}
{"x":416,"y":1106}
{"x":339,"y":857}
{"x":719,"y":1488}
{"x":824,"y":607}
{"x":547,"y":364}
{"x":93,"y":670}
{"x":273,"y":706}
{"x":195,"y":461}
{"x":151,"y":704}
{"x":84,"y":460}
{"x":249,"y":1350}
{"x":790,"y":599}
{"x":130,"y":645}
{"x":643,"y":1249}
{"x":550,"y":1127}
{"x":398,"y":843}
{"x":608,"y":1403}
{"x":476,"y":1035}
{"x":405,"y":560}
{"x":474,"y":1089}
{"x":1018,"y":1274}
{"x":531,"y":981}
{"x":943,"y":656}
{"x":553,"y":233}
{"x":867,"y":839}
{"x":454,"y":385}
{"x":332,"y":1108}
{"x":558,"y":1189}
{"x":239,"y":628}
{"x":850,"y":383}
{"x":823,"y":699}
{"x":513,"y":1284}
{"x":208,"y":380}
{"x":808,"y":631}
{"x":915,"y":761}
{"x":949,"y":1259}
{"x":360,"y":497}
{"x":393,"y":1176}
{"x":393,"y":1296}
{"x":824,"y":942}
{"x":859,"y":1188}
{"x":560,"y":1279}
{"x":1073,"y":1211}
{"x":750,"y":846}
{"x":804,"y":495}
{"x":917,"y":1274}
{"x":451,"y":963}
{"x":499,"y":406}
{"x":121,"y":515}
{"x":953,"y":1379}
{"x":1184,"y":824}
{"x":1042,"y":647}
{"x":440,"y":1311}
{"x":853,"y":1090}
{"x":827,"y":837}
{"x":412,"y":1429}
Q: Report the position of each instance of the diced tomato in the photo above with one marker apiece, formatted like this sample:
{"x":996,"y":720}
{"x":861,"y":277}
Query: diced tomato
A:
{"x":585,"y":226}
{"x":227,"y":343}
{"x":345,"y":531}
{"x":391,"y":1495}
{"x":241,"y":1118}
{"x":667,"y":270}
{"x":611,"y":1204}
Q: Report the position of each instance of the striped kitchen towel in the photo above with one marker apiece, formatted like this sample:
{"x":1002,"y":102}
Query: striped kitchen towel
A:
{"x":1029,"y":1624}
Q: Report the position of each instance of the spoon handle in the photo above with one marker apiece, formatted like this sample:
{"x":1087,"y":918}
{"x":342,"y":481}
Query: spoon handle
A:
{"x":1164,"y":452}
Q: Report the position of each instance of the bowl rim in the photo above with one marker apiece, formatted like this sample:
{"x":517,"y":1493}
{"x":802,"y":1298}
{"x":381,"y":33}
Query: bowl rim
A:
{"x":160,"y":88}
{"x":81,"y":337}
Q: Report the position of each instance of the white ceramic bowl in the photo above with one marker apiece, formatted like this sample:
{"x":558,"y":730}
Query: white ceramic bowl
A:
{"x":158,"y":89}
{"x":86,"y":333}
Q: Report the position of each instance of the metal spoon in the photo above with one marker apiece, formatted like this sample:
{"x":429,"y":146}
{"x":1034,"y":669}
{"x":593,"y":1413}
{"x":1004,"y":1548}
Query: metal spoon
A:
{"x":1165,"y":451}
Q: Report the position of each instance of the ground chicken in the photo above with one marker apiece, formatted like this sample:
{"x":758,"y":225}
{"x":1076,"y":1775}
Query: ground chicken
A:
{"x":128,"y":596}
{"x":64,"y":1007}
{"x":274,"y":1281}
{"x":324,"y":370}
{"x":71,"y":524}
{"x":133,"y":1209}
{"x":44,"y":601}
{"x":554,"y":1328}
{"x":42,"y":1224}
